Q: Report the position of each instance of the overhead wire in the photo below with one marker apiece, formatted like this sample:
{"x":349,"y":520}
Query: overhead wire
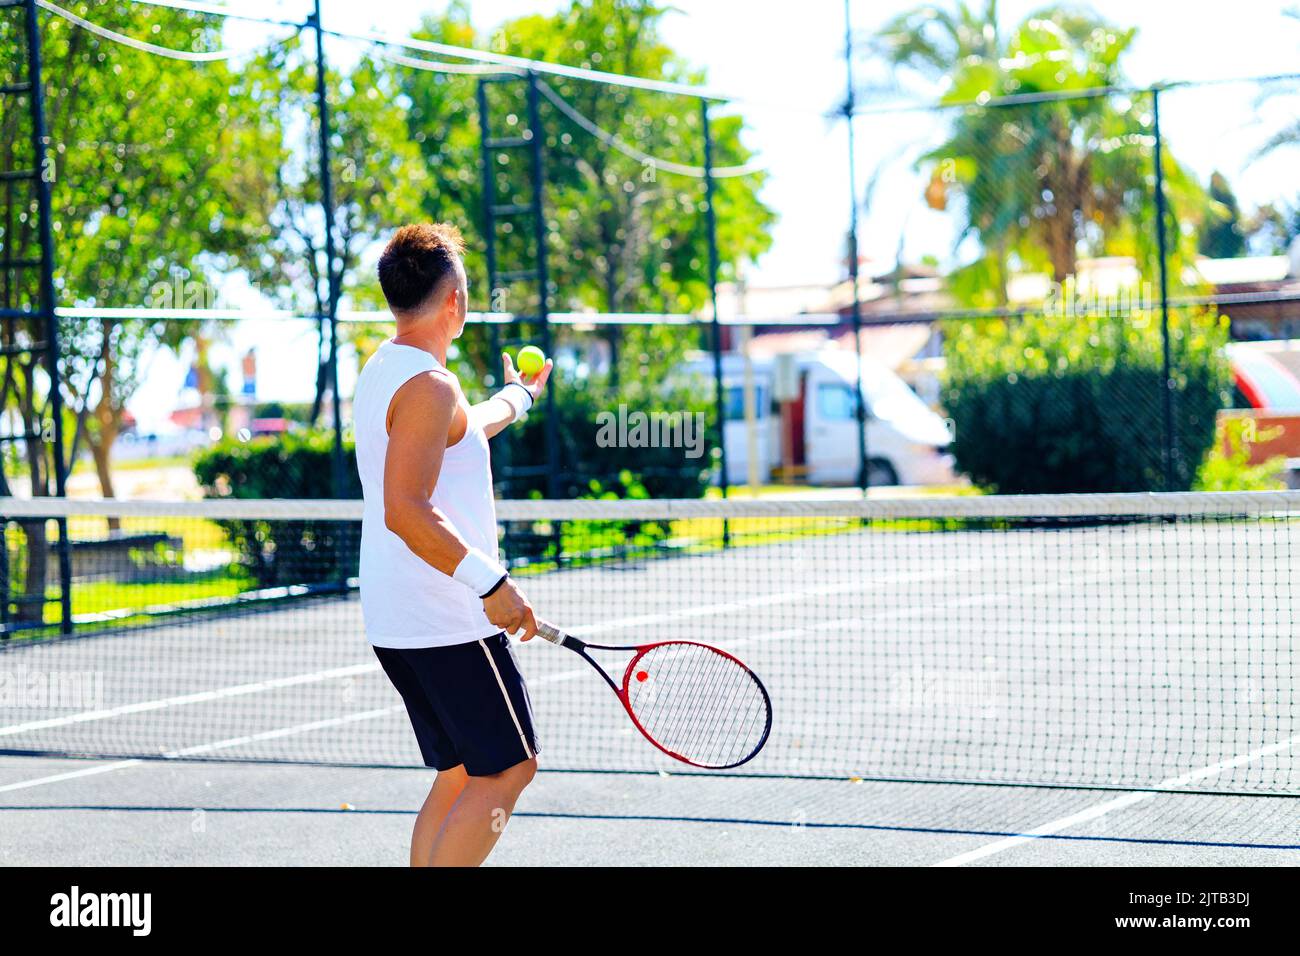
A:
{"x":189,"y":56}
{"x":218,"y":10}
{"x":627,"y":149}
{"x":506,"y":63}
{"x":525,"y":64}
{"x":441,"y":66}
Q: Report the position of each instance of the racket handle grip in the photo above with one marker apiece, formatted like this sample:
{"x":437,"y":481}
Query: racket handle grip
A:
{"x":553,"y":634}
{"x":550,"y":632}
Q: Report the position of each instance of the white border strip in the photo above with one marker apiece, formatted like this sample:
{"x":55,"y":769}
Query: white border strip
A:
{"x":578,"y":319}
{"x":248,"y":508}
{"x":1190,"y":504}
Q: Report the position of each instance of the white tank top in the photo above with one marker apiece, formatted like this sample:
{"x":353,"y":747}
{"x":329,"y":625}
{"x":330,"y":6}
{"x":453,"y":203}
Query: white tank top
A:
{"x":404,"y":600}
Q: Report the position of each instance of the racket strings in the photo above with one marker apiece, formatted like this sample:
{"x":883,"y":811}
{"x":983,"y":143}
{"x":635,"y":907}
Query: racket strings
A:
{"x":720,"y":690}
{"x":698,"y":703}
{"x":728,"y":727}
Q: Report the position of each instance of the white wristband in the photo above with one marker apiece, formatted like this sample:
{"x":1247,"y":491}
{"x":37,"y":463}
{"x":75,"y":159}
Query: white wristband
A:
{"x":479,"y":573}
{"x":517,"y":397}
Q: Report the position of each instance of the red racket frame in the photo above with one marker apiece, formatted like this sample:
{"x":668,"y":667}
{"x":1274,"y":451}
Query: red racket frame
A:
{"x":556,"y":636}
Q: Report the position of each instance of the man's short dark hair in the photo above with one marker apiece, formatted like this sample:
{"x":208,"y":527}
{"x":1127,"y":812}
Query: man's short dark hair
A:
{"x":416,"y":261}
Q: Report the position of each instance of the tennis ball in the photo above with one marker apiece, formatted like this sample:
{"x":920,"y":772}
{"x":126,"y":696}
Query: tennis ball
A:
{"x":530,"y":360}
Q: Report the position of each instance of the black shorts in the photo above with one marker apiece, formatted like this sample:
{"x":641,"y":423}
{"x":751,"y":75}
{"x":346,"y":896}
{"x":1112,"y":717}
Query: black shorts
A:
{"x":467,"y":703}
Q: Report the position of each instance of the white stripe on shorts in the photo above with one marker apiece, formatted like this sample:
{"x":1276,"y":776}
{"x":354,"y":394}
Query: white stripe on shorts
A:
{"x":487,"y":652}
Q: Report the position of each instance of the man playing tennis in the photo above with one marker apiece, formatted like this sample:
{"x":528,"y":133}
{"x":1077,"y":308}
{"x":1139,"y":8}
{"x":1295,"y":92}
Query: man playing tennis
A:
{"x":436,"y":601}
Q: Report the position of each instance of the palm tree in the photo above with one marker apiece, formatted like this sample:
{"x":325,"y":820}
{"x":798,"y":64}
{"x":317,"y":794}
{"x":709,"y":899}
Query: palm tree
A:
{"x":1040,"y":182}
{"x":930,"y":40}
{"x":1288,"y":135}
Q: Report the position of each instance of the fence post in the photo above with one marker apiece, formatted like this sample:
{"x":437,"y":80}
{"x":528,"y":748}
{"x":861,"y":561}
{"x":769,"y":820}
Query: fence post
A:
{"x":543,"y":282}
{"x":44,"y":207}
{"x":331,"y":276}
{"x":860,"y":406}
{"x":719,"y":393}
{"x":1170,"y":426}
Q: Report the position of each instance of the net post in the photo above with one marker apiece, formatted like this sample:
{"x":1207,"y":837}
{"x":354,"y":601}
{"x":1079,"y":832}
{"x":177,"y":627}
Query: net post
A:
{"x":719,"y":405}
{"x":1167,"y":382}
{"x":331,"y":267}
{"x":855,"y":314}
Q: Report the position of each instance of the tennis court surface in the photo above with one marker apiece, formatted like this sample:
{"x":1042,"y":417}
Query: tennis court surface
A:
{"x":1061,"y":680}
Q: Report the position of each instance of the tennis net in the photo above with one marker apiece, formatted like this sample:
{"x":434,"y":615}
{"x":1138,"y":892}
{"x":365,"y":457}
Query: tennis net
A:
{"x":1126,"y":641}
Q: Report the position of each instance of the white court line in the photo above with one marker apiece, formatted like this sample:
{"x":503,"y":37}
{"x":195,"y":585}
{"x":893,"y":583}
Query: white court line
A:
{"x":144,"y":706}
{"x":1128,"y":800}
{"x":71,"y":775}
{"x":764,"y":600}
{"x":282,"y":732}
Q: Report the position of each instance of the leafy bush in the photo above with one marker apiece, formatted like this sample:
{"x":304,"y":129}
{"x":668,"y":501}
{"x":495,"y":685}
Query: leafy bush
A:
{"x":1227,"y":467}
{"x":279,"y":466}
{"x":581,"y":541}
{"x":1075,"y":403}
{"x":280,"y":553}
{"x":594,"y":469}
{"x":659,"y":472}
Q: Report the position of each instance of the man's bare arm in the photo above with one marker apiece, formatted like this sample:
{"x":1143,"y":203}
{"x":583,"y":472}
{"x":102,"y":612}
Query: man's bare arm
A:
{"x":493,"y":415}
{"x":498,"y":413}
{"x":420,"y":419}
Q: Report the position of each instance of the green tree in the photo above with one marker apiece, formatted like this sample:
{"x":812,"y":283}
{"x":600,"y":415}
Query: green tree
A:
{"x":625,"y":235}
{"x":378,"y":178}
{"x":147,"y":192}
{"x":1042,"y":183}
{"x":442,"y":124}
{"x":1271,"y":228}
{"x":143,"y":158}
{"x":1039,"y":178}
{"x":1222,"y":237}
{"x":1289,"y":134}
{"x":931,"y":40}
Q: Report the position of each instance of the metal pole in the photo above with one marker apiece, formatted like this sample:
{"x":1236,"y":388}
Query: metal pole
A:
{"x":864,"y":470}
{"x":331,"y":277}
{"x":754,"y":463}
{"x":1170,"y":433}
{"x":490,"y":243}
{"x":720,"y":408}
{"x":44,"y":205}
{"x":489,"y":192}
{"x":543,"y":281}
{"x":719,"y":402}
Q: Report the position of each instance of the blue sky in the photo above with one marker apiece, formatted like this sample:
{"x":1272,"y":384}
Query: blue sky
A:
{"x":776,"y":57}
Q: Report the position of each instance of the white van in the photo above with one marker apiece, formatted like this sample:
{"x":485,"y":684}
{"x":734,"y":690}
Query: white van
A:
{"x":806,"y":421}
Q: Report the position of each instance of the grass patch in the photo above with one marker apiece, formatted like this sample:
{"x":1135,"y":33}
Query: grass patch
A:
{"x":85,"y":466}
{"x":198,"y":534}
{"x":97,"y":597}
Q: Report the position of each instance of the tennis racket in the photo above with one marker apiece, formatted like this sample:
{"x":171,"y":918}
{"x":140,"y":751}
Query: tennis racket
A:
{"x":696,"y":703}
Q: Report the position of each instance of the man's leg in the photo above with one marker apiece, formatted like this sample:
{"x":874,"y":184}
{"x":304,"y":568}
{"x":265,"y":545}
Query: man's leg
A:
{"x":479,"y":814}
{"x":447,"y":786}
